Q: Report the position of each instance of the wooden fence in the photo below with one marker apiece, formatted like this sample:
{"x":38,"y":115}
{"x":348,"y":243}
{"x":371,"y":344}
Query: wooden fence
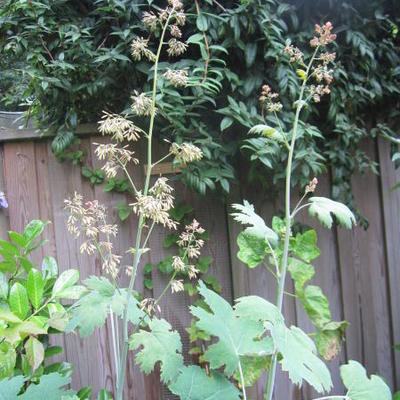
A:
{"x":358,"y":270}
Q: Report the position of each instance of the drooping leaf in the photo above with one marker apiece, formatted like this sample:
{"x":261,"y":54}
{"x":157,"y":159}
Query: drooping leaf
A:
{"x":297,"y":350}
{"x":194,"y":384}
{"x":316,"y":305}
{"x":34,"y":352}
{"x":34,"y":287}
{"x":360,"y":387}
{"x":18,"y":300}
{"x":323,"y":207}
{"x":329,"y":339}
{"x":252,"y":249}
{"x":237,"y":336}
{"x":247,"y":216}
{"x":162,"y":344}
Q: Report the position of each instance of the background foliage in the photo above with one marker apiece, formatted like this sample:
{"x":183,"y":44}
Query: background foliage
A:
{"x":76,"y":62}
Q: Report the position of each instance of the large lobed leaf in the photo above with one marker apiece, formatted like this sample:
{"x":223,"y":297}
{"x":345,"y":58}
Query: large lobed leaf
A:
{"x":247,"y":216}
{"x":323,"y":207}
{"x":298,"y":352}
{"x":360,"y":387}
{"x":162,"y":344}
{"x":50,"y":387}
{"x":91,"y":310}
{"x":194,"y":384}
{"x":237,"y":336}
{"x":252,"y":249}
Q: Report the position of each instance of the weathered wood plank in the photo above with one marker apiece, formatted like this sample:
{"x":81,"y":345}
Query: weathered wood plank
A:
{"x":90,"y":356}
{"x":262,"y":283}
{"x":22,"y":187}
{"x":364,"y":281}
{"x":14,"y":134}
{"x":327,"y":277}
{"x":4,"y":221}
{"x":136,"y":382}
{"x":391,"y":208}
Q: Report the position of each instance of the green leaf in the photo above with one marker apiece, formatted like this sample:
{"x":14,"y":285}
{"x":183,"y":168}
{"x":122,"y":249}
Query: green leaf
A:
{"x":49,"y":267}
{"x":304,"y":246}
{"x":170,"y":239}
{"x":237,"y":336}
{"x":297,"y":350}
{"x":104,"y":395}
{"x":247,"y":216}
{"x":194,"y":384}
{"x":202,"y":22}
{"x":73,"y":292}
{"x":3,"y":286}
{"x":18,"y":300}
{"x":33,"y":230}
{"x":50,"y":387}
{"x":323,"y":208}
{"x":85,"y":393}
{"x":34,"y":287}
{"x":252,"y":249}
{"x":148,"y":283}
{"x":226,"y":123}
{"x":252,"y":368}
{"x":329,"y":339}
{"x":8,"y":316}
{"x":162,"y":344}
{"x":180,"y":209}
{"x":203,"y":264}
{"x":86,"y":172}
{"x":53,"y":351}
{"x":316,"y":305}
{"x":212,"y":282}
{"x":265,"y":130}
{"x":8,"y":357}
{"x":360,"y":387}
{"x":34,"y":352}
{"x":300,"y":271}
{"x":9,"y":388}
{"x":67,"y":279}
{"x":17,"y":238}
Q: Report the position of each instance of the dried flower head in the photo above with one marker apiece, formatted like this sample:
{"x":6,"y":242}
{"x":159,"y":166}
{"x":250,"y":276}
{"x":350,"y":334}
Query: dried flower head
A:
{"x":325,"y":35}
{"x":139,"y":48}
{"x":150,"y":20}
{"x":175,"y":31}
{"x":116,"y":157}
{"x":178,"y":264}
{"x":192,"y":272}
{"x":176,"y":47}
{"x":177,"y":286}
{"x":296,"y":56}
{"x":89,"y":219}
{"x":177,"y":78}
{"x":118,"y":127}
{"x":190,"y":241}
{"x":268,"y":99}
{"x":310,"y":188}
{"x":141,"y":104}
{"x":149,"y":306}
{"x":156,"y":204}
{"x":186,"y":152}
{"x":176,"y":4}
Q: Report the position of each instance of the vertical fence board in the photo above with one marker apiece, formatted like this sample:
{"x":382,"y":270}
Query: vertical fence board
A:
{"x":135,"y":383}
{"x":364,"y":277}
{"x":328,"y":278}
{"x":90,"y":356}
{"x":391,"y":209}
{"x":22,"y":187}
{"x":4,"y":222}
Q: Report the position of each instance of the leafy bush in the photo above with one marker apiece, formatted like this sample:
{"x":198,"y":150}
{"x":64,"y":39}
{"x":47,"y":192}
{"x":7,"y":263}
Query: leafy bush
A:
{"x":76,"y":63}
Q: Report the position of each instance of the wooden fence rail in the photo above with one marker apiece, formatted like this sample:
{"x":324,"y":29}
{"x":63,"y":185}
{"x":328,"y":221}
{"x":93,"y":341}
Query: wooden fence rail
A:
{"x":358,"y":270}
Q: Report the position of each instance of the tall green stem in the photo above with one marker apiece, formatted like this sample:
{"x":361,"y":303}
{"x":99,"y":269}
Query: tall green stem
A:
{"x":288,"y":221}
{"x":136,"y":259}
